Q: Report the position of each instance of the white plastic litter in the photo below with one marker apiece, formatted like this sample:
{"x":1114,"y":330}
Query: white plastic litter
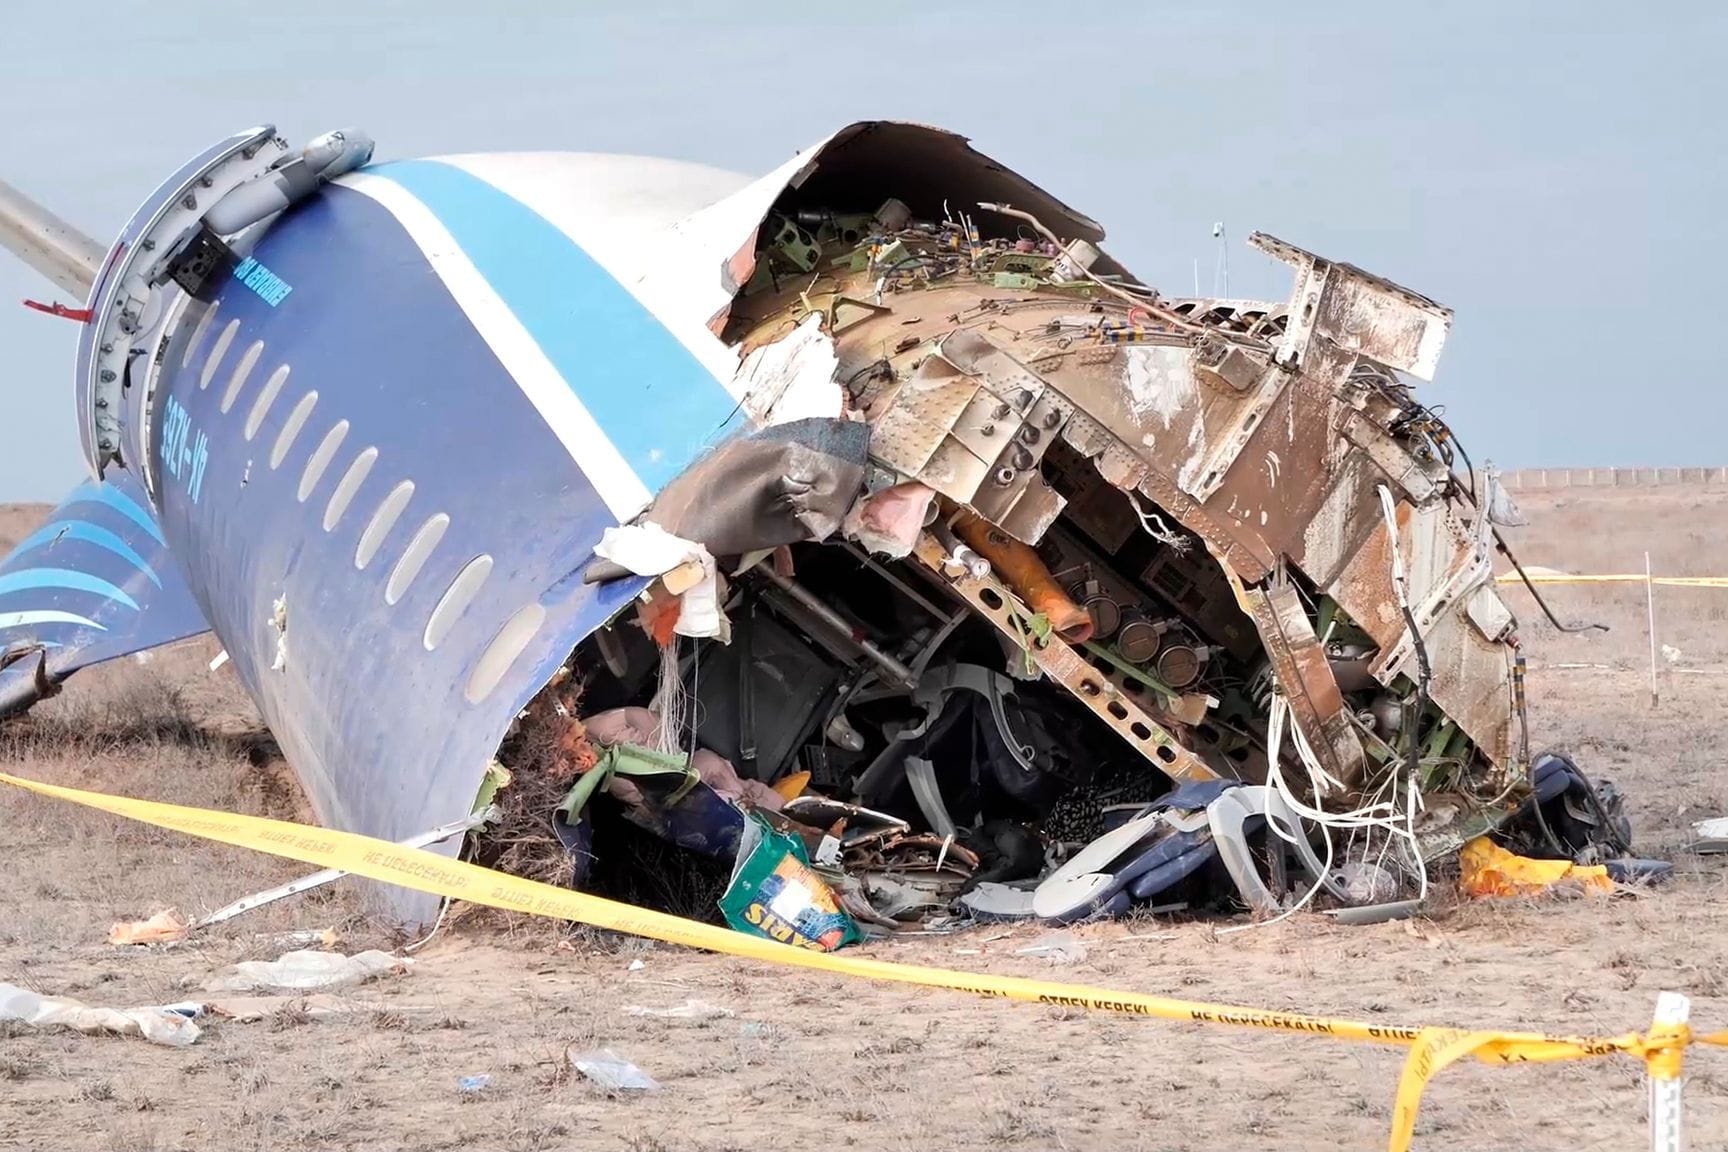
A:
{"x":649,"y":550}
{"x":1501,"y":509}
{"x":689,"y":1010}
{"x":646,"y":549}
{"x":170,"y":1025}
{"x":308,"y":969}
{"x":611,"y":1071}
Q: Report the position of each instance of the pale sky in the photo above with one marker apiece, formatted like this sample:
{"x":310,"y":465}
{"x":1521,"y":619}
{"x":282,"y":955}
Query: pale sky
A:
{"x":1553,"y":172}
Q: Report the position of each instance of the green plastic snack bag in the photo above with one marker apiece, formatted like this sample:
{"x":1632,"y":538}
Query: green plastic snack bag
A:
{"x":775,"y":894}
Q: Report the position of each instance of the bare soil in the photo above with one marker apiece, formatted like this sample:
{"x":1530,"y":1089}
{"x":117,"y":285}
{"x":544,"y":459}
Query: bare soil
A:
{"x":813,"y":1061}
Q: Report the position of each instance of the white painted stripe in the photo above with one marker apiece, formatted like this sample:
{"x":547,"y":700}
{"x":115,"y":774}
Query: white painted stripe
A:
{"x":625,"y":237}
{"x":46,"y":616}
{"x":541,"y":382}
{"x":241,"y":371}
{"x":197,"y":337}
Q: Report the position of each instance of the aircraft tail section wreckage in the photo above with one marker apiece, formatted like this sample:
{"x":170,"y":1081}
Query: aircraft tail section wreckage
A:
{"x":868,"y":508}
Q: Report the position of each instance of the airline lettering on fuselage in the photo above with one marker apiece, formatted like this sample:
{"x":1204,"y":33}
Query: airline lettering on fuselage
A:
{"x":271,"y":288}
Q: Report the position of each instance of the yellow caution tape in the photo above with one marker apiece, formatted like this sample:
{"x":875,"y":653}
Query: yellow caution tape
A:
{"x":1431,"y":1049}
{"x":1628,"y":578}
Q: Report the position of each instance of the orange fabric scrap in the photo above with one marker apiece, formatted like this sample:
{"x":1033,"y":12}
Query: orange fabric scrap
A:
{"x":658,"y":612}
{"x":159,"y":929}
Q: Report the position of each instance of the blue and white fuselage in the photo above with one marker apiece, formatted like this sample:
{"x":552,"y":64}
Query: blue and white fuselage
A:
{"x":382,"y":450}
{"x":368,"y":424}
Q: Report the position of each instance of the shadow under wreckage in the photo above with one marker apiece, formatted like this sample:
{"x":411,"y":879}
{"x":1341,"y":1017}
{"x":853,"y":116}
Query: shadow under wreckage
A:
{"x":1039,"y":595}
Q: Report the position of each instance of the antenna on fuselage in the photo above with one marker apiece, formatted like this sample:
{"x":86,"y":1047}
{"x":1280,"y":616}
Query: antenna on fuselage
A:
{"x":1221,"y":273}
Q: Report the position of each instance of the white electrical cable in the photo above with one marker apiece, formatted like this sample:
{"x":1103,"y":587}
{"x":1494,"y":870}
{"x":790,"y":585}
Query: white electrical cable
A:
{"x":1274,"y":740}
{"x":1400,"y":826}
{"x":1384,"y":810}
{"x":1155,"y":526}
{"x":671,"y":703}
{"x":443,"y":909}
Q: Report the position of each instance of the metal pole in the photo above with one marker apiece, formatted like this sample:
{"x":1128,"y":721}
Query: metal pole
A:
{"x":47,"y":243}
{"x":1664,"y":1072}
{"x":1650,"y":607}
{"x":841,"y":626}
{"x":1221,"y":274}
{"x":329,"y":875}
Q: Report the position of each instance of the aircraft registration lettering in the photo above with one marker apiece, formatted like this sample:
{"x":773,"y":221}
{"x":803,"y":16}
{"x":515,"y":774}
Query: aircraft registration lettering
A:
{"x":184,"y":451}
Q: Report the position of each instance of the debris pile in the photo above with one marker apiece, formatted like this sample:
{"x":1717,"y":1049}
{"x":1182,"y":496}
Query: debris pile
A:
{"x":1036,"y":595}
{"x":942,"y":568}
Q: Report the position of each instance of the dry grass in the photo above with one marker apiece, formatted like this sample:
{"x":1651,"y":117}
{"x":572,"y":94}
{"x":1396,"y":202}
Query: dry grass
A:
{"x":523,"y":841}
{"x":626,"y":864}
{"x":811,"y":1059}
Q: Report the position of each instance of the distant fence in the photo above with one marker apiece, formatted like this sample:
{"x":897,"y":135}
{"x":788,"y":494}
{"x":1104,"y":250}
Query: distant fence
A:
{"x":1525,"y":479}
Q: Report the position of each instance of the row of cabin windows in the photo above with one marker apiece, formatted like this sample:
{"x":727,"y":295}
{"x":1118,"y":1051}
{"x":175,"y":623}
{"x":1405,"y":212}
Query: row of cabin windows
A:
{"x":511,"y":640}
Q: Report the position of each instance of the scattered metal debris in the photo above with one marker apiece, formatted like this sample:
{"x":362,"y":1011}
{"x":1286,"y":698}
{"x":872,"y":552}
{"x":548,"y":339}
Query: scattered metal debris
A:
{"x":1058,"y":949}
{"x":1710,"y":836}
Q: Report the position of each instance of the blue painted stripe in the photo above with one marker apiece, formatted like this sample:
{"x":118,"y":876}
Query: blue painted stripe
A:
{"x":653,"y":399}
{"x":35,"y":579}
{"x":46,"y":616}
{"x":90,"y":534}
{"x":110,"y":495}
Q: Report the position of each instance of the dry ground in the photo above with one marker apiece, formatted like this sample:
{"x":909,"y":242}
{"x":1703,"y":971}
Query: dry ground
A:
{"x":813,"y":1061}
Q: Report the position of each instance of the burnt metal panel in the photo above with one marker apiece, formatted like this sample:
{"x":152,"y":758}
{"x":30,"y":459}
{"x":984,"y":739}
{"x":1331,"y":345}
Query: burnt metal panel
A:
{"x":1299,"y":662}
{"x":1066,"y":666}
{"x":1361,"y":313}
